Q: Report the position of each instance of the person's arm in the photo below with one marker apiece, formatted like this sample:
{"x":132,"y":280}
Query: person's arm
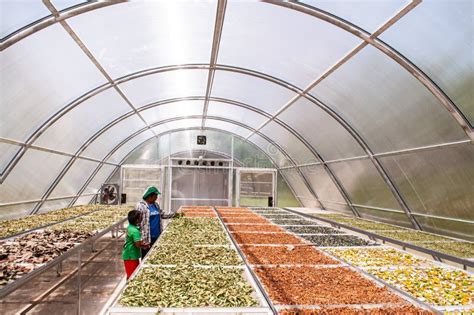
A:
{"x":141,"y":244}
{"x":144,"y":224}
{"x":138,"y":241}
{"x":165,"y":215}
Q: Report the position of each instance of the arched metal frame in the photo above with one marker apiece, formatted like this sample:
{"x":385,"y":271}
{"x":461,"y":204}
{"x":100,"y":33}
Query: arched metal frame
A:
{"x":35,"y":135}
{"x":371,"y":39}
{"x":152,"y":105}
{"x":94,"y":173}
{"x":69,"y":164}
{"x":218,"y":130}
{"x":367,"y":37}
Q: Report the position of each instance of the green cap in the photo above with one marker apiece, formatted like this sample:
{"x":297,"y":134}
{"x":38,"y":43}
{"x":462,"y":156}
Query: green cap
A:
{"x":151,"y":190}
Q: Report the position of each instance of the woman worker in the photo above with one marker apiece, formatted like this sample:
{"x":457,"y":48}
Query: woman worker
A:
{"x":152,"y":215}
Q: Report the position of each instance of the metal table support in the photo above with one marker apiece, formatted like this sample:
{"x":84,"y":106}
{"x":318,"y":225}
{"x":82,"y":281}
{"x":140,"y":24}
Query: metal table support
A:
{"x":55,"y":262}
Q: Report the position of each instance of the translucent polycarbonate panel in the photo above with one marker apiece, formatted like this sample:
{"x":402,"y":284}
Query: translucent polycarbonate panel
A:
{"x":296,"y":182}
{"x":164,"y":147}
{"x":285,"y":197}
{"x":74,"y":178}
{"x":7,"y":151}
{"x":152,"y":34}
{"x":178,"y":124}
{"x":226,"y":126}
{"x":366,"y":14}
{"x":186,"y":141}
{"x":18,"y":14}
{"x":308,"y":202}
{"x":16,"y":211}
{"x":249,"y":155}
{"x":30,"y":178}
{"x":171,"y":110}
{"x":364,"y":184}
{"x":237,"y":113}
{"x":165,"y":85}
{"x":384,"y":216}
{"x":437,"y":34}
{"x":275,"y":154}
{"x":83,"y":200}
{"x":336,"y":206}
{"x":128,"y":147}
{"x":54,"y":204}
{"x":45,"y":71}
{"x":437,"y":182}
{"x":292,"y":145}
{"x":136,"y":180}
{"x":253,"y":91}
{"x":388,"y":106}
{"x":322,"y":184}
{"x":321,"y":130}
{"x":113,"y":136}
{"x":147,"y":153}
{"x":78,"y":125}
{"x":64,"y":4}
{"x":456,"y":229}
{"x":284,"y":43}
{"x":100,"y":178}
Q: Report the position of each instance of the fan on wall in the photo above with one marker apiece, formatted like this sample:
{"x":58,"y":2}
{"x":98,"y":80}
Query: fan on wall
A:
{"x":109,"y":194}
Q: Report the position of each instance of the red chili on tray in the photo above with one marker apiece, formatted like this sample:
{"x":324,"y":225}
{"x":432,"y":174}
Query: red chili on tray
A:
{"x":254,"y":228}
{"x":236,"y":215}
{"x":247,"y":219}
{"x":392,"y":310}
{"x":286,"y":255}
{"x":274,"y":238}
{"x":199,"y":215}
{"x":321,"y":286}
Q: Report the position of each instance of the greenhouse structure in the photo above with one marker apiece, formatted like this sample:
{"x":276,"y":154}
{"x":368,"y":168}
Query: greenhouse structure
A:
{"x":237,"y":157}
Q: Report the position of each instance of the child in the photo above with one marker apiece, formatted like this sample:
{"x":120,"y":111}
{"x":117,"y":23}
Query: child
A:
{"x":131,"y":248}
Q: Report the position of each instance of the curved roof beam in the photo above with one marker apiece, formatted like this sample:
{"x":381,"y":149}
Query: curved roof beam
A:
{"x":216,"y":41}
{"x":71,"y":161}
{"x":50,"y":20}
{"x":87,"y":182}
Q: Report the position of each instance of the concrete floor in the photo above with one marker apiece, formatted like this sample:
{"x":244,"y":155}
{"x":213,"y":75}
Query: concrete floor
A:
{"x":99,"y":278}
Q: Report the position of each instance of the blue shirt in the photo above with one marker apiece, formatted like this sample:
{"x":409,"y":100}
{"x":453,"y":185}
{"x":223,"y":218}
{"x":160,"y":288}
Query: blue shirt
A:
{"x":154,"y":221}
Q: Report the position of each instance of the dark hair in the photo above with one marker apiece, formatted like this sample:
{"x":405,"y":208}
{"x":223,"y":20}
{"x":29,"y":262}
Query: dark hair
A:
{"x":134,"y":216}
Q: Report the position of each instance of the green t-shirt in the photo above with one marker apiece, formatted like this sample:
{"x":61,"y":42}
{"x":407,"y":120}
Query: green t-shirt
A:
{"x":130,"y":251}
